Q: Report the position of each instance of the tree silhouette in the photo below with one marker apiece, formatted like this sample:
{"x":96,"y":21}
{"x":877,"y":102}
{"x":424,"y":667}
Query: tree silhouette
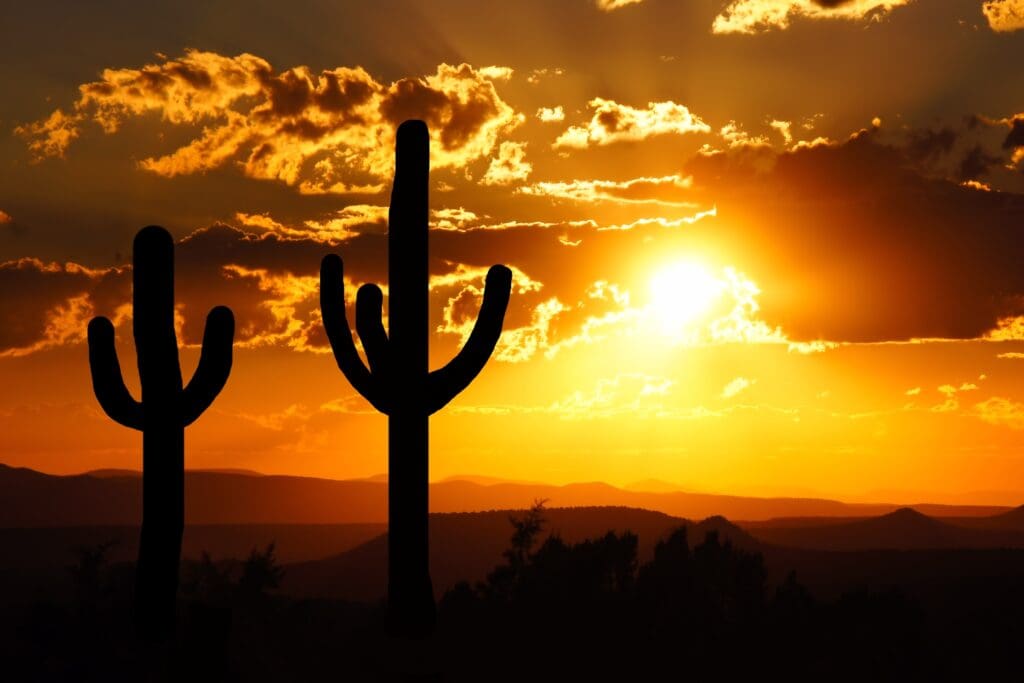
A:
{"x":260,"y":573}
{"x":163,"y":413}
{"x":398,"y":382}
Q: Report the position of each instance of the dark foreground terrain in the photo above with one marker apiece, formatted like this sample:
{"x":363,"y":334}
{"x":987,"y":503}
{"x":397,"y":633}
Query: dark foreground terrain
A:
{"x":546,"y":594}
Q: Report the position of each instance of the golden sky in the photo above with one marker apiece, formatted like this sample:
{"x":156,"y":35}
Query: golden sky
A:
{"x":758,"y":246}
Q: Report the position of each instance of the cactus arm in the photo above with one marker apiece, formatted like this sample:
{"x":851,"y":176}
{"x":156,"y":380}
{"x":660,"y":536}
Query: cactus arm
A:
{"x":107,"y":381}
{"x":369,"y":301}
{"x":214,"y":364}
{"x":332,"y":310}
{"x":446,"y":383}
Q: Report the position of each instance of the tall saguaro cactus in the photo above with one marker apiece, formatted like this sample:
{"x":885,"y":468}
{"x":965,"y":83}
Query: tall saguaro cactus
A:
{"x":162,"y":415}
{"x":398,"y":382}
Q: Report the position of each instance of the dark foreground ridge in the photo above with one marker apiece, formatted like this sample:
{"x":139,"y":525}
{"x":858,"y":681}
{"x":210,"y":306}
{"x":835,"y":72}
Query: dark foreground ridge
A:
{"x":559,"y":594}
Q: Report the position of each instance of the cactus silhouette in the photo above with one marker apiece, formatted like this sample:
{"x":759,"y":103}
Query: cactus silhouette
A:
{"x":162,"y":415}
{"x":398,"y":382}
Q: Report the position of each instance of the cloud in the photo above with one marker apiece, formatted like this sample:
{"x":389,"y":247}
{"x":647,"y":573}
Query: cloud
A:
{"x":736,"y":386}
{"x":756,"y":16}
{"x":670,"y":190}
{"x":537,"y":75}
{"x":784,"y":128}
{"x":1001,"y":412}
{"x":611,"y":5}
{"x":54,"y":303}
{"x":1004,"y":15}
{"x":464,"y":288}
{"x":859,"y":241}
{"x":343,"y":225}
{"x":613,"y":122}
{"x":735,"y":137}
{"x":327,"y":132}
{"x":51,"y":136}
{"x":550,"y":114}
{"x":452,"y":219}
{"x":509,"y":166}
{"x":635,"y":394}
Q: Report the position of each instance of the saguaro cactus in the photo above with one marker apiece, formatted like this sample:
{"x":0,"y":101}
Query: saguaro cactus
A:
{"x":398,"y":382}
{"x":162,"y":415}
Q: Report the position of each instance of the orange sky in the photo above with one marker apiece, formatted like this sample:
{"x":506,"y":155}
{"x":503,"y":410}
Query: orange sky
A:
{"x":759,"y":247}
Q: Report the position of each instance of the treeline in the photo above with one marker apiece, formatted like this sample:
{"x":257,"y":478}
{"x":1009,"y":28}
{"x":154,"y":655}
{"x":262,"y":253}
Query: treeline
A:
{"x":588,"y":611}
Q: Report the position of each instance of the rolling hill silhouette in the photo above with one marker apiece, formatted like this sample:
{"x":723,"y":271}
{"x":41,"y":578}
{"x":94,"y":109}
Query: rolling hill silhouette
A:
{"x":32,"y":499}
{"x":902,"y":529}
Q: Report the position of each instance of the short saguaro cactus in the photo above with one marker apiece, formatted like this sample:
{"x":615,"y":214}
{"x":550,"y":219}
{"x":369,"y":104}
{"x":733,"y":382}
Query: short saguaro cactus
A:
{"x":165,"y":410}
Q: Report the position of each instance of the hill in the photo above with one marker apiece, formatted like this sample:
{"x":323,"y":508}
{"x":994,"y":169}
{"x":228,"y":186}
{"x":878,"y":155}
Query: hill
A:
{"x":903,"y":529}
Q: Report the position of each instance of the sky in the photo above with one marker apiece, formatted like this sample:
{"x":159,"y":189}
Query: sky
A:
{"x":763,"y":247}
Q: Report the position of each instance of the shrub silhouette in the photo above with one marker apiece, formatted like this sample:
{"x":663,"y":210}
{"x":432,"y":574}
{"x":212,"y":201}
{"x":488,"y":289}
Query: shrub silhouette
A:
{"x":88,"y":574}
{"x":163,"y":413}
{"x":398,"y":382}
{"x":260,"y":573}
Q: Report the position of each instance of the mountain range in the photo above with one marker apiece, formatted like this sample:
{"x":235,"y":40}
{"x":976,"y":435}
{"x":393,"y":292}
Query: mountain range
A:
{"x":33,"y":499}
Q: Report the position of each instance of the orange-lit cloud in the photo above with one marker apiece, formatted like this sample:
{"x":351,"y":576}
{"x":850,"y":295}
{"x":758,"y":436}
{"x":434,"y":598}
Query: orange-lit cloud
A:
{"x":54,"y":303}
{"x":755,"y":16}
{"x":614,"y":122}
{"x":1004,"y":15}
{"x":293,"y":304}
{"x":551,"y":114}
{"x":326,"y":132}
{"x":537,"y":75}
{"x":610,"y":5}
{"x":509,"y":166}
{"x":1001,"y":412}
{"x":670,"y":189}
{"x":344,"y":224}
{"x":735,"y":137}
{"x":464,"y":287}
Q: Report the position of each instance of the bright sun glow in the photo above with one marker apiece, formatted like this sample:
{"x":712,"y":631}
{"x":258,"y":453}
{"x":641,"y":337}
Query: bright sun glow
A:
{"x":681,"y":293}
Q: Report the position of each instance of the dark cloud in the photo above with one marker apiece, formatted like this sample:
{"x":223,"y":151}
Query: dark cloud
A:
{"x":976,"y":163}
{"x":929,"y":145}
{"x":48,"y":304}
{"x":853,"y":243}
{"x":1015,"y":138}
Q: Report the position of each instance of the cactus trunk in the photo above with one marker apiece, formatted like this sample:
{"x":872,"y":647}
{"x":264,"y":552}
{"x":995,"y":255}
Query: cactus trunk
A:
{"x":163,"y":522}
{"x":163,"y":436}
{"x":410,"y":595}
{"x":398,"y":381}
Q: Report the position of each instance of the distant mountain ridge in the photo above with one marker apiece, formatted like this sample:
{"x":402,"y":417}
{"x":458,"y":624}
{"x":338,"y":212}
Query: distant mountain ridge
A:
{"x":31,"y":499}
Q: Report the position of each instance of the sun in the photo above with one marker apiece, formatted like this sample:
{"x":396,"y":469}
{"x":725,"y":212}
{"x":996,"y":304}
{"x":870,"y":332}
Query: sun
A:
{"x":682,"y":293}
